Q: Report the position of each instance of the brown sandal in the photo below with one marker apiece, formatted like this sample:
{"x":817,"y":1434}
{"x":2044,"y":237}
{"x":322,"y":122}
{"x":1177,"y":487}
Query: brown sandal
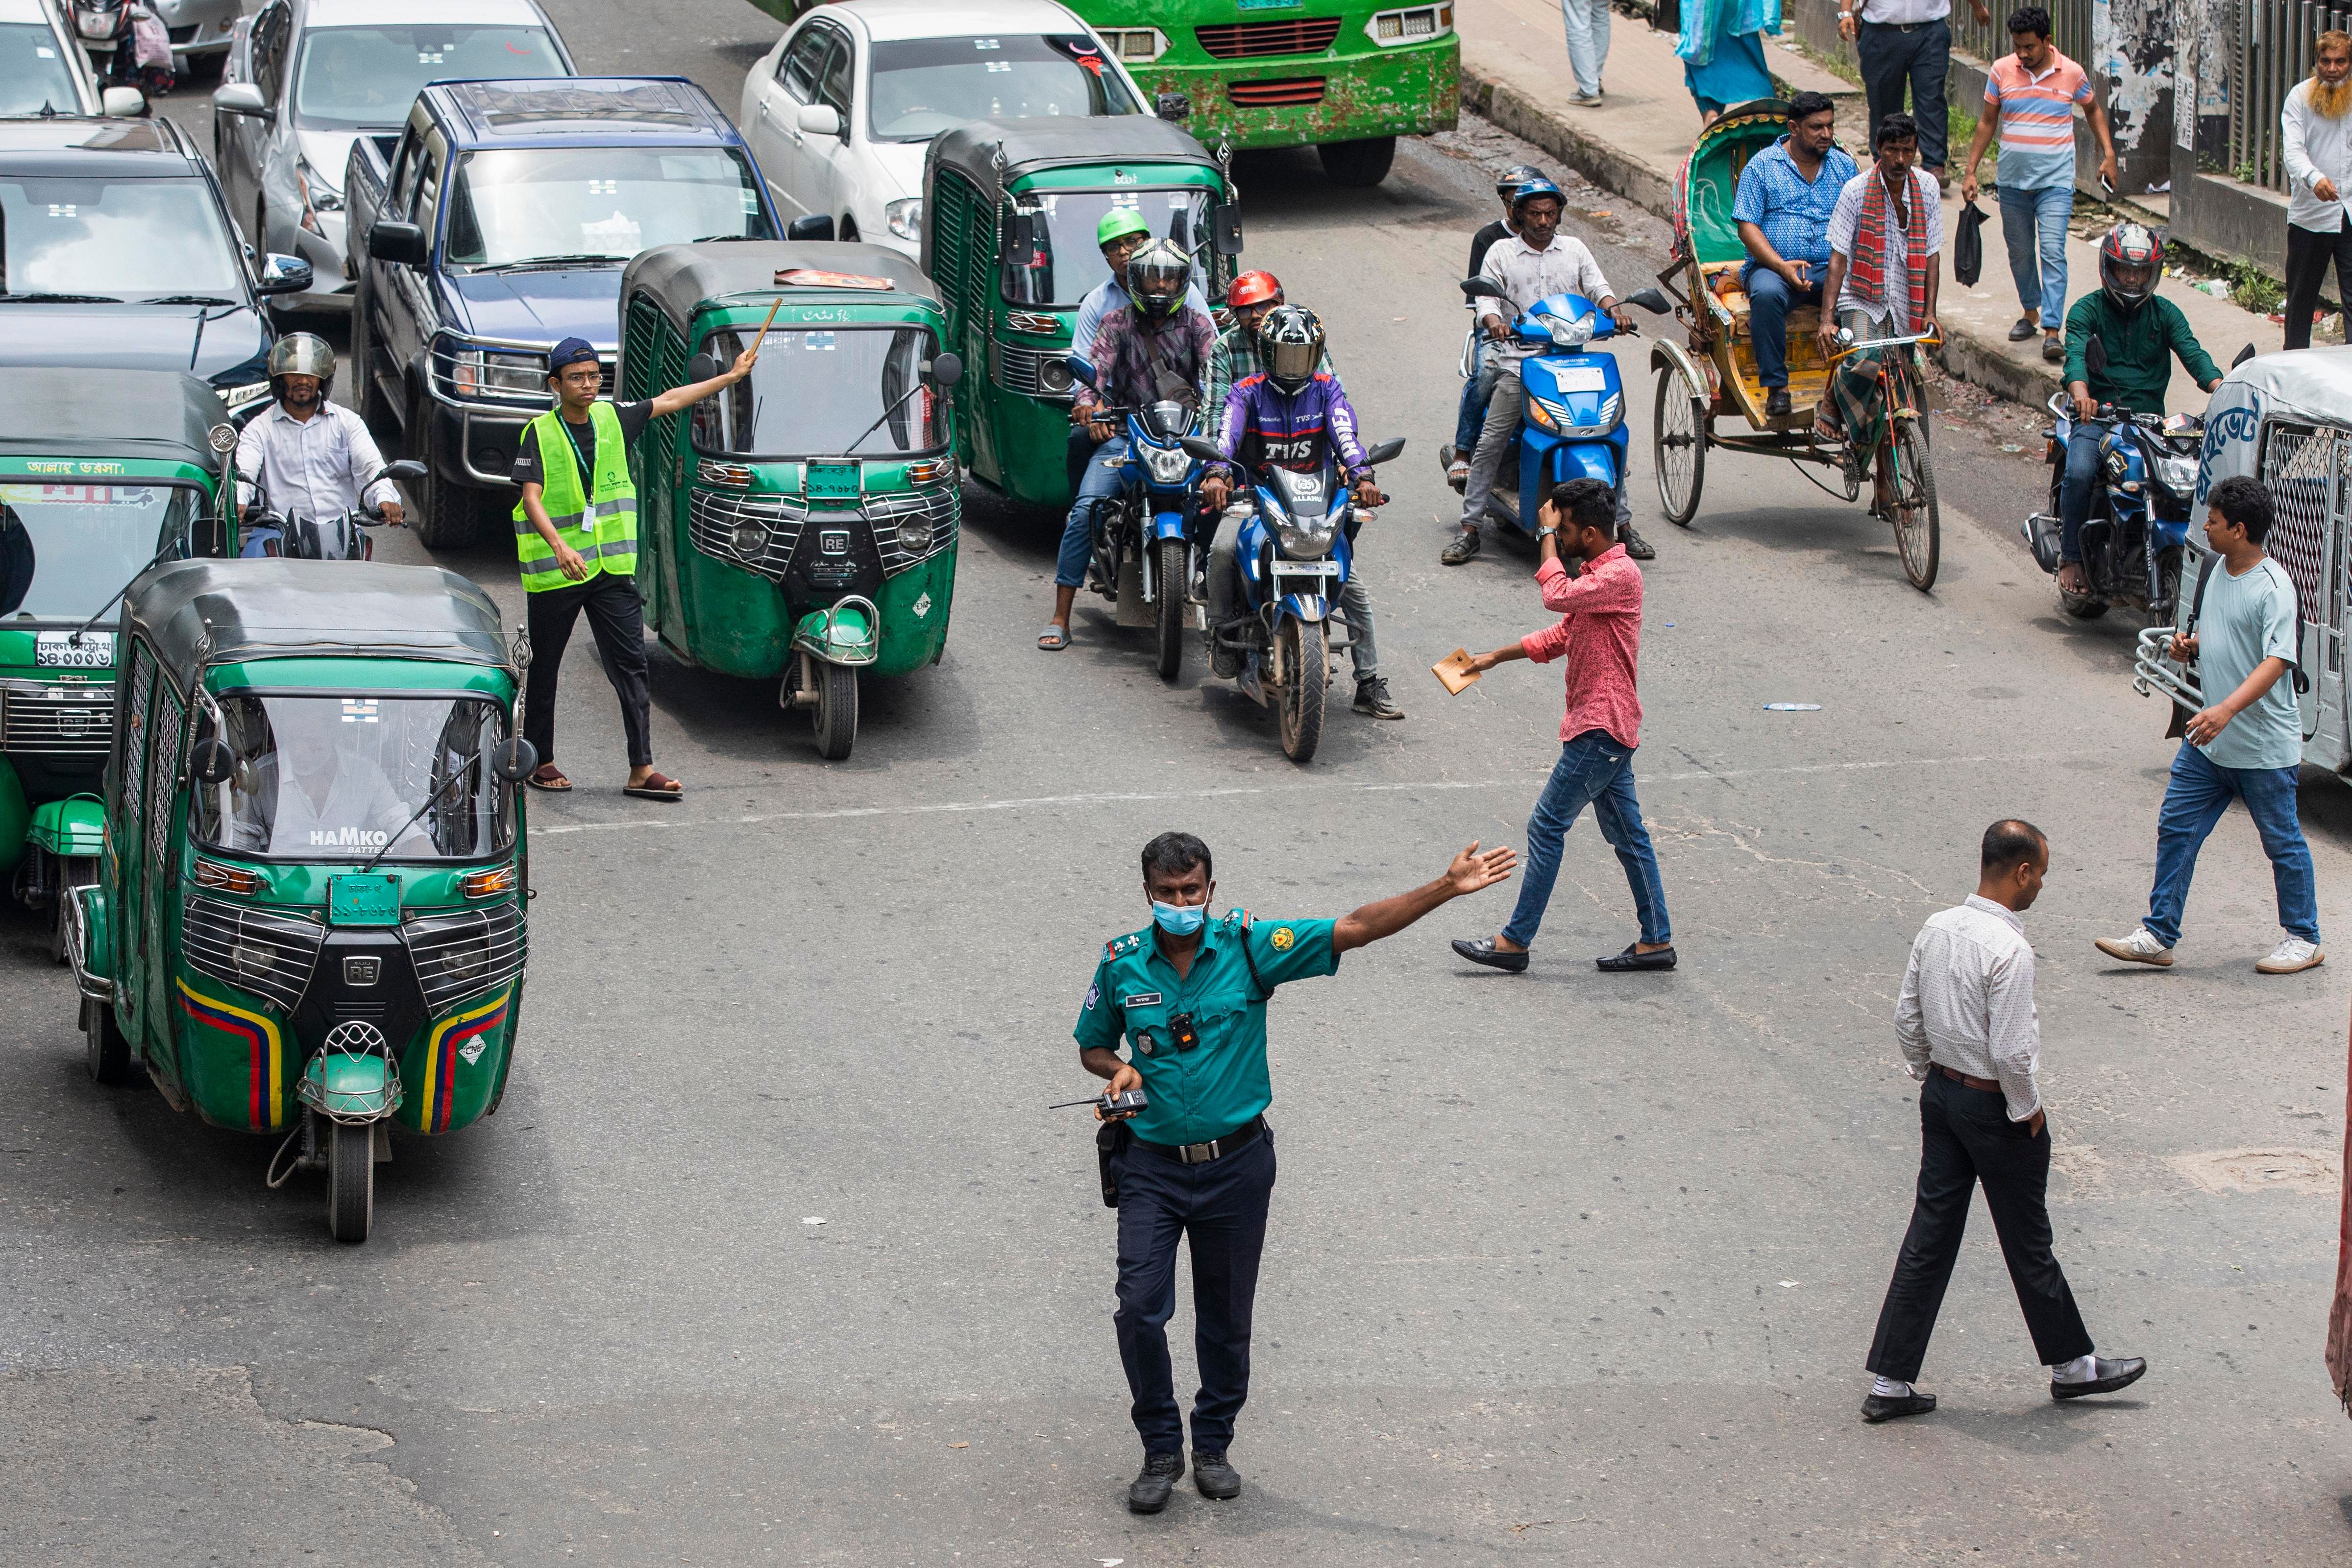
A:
{"x":546,"y":777}
{"x":656,"y":786}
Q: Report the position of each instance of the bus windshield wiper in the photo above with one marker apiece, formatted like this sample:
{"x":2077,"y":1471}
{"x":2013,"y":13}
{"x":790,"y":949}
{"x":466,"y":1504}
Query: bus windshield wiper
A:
{"x":59,"y":300}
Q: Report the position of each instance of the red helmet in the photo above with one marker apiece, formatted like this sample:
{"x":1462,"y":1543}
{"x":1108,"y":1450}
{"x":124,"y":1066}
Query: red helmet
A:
{"x":1254,"y":288}
{"x":2131,"y":258}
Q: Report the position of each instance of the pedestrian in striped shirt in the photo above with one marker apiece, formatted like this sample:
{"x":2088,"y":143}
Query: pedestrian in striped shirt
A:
{"x":2031,"y":95}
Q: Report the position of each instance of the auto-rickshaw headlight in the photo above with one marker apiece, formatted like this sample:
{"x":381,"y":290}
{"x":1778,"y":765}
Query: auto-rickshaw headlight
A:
{"x":252,"y":962}
{"x":1054,"y":376}
{"x":915,"y":535}
{"x":751,"y":540}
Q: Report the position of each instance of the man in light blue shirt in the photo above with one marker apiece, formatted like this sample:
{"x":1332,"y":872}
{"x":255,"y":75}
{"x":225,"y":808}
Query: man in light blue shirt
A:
{"x":2247,"y":744}
{"x":1782,"y":206}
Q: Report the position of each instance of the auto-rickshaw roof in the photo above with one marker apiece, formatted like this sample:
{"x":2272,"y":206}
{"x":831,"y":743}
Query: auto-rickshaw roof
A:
{"x":2311,"y":385}
{"x":196,"y":613}
{"x":682,"y":276}
{"x":1059,"y":140}
{"x":60,"y":412}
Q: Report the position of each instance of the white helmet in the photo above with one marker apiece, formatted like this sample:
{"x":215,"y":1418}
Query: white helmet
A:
{"x":301,"y":355}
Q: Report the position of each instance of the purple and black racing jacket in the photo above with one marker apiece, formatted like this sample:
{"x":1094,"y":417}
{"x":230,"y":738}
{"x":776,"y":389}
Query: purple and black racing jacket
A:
{"x":1263,"y":424}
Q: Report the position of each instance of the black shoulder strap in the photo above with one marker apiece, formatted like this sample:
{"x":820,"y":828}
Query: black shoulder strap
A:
{"x":1264,"y":991}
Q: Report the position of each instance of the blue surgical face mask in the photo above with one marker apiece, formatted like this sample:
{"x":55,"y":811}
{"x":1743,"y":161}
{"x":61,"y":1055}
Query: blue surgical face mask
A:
{"x":1178,"y":919}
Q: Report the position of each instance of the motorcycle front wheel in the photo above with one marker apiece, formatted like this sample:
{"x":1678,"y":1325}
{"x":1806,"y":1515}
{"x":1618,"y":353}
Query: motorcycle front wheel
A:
{"x":1169,"y":580}
{"x":1306,"y":673}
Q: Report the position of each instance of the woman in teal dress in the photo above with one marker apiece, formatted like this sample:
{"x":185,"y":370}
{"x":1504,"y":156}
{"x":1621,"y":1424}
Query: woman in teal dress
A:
{"x":1722,"y":50}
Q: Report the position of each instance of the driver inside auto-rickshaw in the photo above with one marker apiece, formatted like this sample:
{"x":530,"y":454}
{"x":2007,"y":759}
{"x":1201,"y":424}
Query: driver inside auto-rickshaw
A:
{"x":313,"y":787}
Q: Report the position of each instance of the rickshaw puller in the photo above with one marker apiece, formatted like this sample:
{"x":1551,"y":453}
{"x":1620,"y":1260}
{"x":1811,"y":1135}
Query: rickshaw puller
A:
{"x":308,"y":456}
{"x":1886,"y":238}
{"x":588,"y":562}
{"x":1286,"y":413}
{"x":2141,"y":330}
{"x":1119,"y":235}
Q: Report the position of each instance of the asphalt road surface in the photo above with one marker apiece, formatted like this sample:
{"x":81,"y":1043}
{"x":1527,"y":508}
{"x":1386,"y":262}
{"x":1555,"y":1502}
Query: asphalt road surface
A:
{"x":773,"y":1254}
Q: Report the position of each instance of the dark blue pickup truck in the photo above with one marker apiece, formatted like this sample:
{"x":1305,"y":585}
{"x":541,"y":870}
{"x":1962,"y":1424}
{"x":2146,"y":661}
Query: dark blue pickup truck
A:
{"x":495,"y":225}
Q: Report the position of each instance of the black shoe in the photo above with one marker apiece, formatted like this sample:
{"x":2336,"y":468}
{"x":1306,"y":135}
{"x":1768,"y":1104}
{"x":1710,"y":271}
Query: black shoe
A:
{"x":1618,"y":963}
{"x":2023,"y":328}
{"x":1481,"y":950}
{"x":2107,"y":1376}
{"x":1149,"y":1491}
{"x":1224,"y":663}
{"x":1878,"y":1408}
{"x":1373,"y":700}
{"x":1637,"y":546}
{"x":1776,"y":403}
{"x":1464,"y":546}
{"x":1215,"y":1478}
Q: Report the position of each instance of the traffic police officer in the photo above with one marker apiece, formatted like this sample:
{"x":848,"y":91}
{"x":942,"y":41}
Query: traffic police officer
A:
{"x":1189,"y":994}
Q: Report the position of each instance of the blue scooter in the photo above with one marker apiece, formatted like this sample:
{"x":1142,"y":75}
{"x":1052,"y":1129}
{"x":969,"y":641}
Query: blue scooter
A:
{"x":1295,"y":543}
{"x":1572,"y":423}
{"x":1147,"y":552}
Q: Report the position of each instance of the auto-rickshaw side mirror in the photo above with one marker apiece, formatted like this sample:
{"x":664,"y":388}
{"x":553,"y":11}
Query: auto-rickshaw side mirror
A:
{"x":1020,"y":240}
{"x":815,"y":226}
{"x":943,"y":370}
{"x":514,"y":760}
{"x":1175,"y":107}
{"x":1081,"y":367}
{"x":2243,"y":355}
{"x":1225,"y":225}
{"x":1388,"y":451}
{"x":2095,"y":355}
{"x":701,"y":368}
{"x":1473,"y":287}
{"x":1649,"y":300}
{"x":1201,"y":448}
{"x":210,"y":760}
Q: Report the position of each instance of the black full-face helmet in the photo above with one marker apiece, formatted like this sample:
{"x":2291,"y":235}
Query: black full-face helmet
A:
{"x":1290,"y":345}
{"x":1157,"y":275}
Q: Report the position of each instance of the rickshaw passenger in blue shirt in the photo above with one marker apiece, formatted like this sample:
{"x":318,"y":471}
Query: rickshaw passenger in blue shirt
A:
{"x":1783,"y":204}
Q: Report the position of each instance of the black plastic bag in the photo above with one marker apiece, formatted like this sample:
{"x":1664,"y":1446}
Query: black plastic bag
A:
{"x":1968,"y":249}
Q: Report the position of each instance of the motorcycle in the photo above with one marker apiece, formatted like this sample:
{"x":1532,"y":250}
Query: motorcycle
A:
{"x":1147,"y":559}
{"x":1296,"y":543}
{"x":271,"y":535}
{"x":128,"y":45}
{"x":1572,"y":422}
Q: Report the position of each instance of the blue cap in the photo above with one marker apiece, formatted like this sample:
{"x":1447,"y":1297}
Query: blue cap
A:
{"x":571,"y":351}
{"x":1539,"y":186}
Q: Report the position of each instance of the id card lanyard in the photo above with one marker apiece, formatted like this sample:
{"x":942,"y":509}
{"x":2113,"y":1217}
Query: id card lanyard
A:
{"x":580,"y":458}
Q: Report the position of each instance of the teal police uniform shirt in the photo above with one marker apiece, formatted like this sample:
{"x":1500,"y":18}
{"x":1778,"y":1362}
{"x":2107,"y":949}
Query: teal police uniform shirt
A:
{"x":1205,"y":1093}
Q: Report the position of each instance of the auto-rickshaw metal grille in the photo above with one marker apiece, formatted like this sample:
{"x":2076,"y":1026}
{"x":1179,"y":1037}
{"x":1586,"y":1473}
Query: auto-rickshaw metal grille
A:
{"x":756,"y":532}
{"x":57,"y":721}
{"x":2299,"y":471}
{"x":1023,"y":369}
{"x":267,"y":952}
{"x":461,"y":955}
{"x":886,"y":511}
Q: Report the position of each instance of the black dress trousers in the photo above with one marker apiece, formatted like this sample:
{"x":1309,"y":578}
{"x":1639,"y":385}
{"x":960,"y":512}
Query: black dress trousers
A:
{"x":2309,"y":254}
{"x":616,"y":620}
{"x":1967,"y":1138}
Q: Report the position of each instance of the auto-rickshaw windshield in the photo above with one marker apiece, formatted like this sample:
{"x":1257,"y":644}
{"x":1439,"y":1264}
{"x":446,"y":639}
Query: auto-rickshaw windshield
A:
{"x":1068,"y":264}
{"x":335,"y":778}
{"x":815,"y":392}
{"x":64,"y":548}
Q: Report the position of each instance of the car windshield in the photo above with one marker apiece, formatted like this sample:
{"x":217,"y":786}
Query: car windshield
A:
{"x":32,"y":75}
{"x":813,"y":394}
{"x":64,"y":547}
{"x":925,"y":86}
{"x":334,"y":778}
{"x":507,"y":207}
{"x":1068,"y":264}
{"x":119,"y":239}
{"x":352,"y":77}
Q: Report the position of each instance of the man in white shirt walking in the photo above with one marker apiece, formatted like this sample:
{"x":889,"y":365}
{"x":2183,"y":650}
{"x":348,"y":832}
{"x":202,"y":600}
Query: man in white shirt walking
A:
{"x":1967,"y":1023}
{"x":309,"y":457}
{"x":1532,"y":265}
{"x":2315,"y":135}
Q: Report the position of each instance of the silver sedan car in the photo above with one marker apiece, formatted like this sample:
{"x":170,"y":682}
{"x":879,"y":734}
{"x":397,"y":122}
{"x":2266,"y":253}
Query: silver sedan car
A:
{"x":200,"y":31}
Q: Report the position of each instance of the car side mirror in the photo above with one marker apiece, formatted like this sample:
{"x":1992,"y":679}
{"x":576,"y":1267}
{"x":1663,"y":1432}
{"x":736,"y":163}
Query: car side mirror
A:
{"x":1020,"y":240}
{"x":1201,"y":448}
{"x":283,"y":275}
{"x":401,"y":245}
{"x":1225,"y":225}
{"x":123,"y":103}
{"x":1649,"y":300}
{"x":944,"y":369}
{"x":1081,"y":367}
{"x":408,"y":471}
{"x":701,"y":368}
{"x":1175,"y":107}
{"x":242,"y":98}
{"x":820,"y":120}
{"x":815,"y":226}
{"x":2243,"y":355}
{"x":1388,"y":451}
{"x":2094,"y":354}
{"x":514,"y":760}
{"x":1473,"y":287}
{"x":210,"y":761}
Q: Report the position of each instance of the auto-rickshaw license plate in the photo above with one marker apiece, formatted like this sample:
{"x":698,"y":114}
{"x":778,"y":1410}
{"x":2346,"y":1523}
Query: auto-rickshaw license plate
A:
{"x":832,"y":481}
{"x":365,"y":898}
{"x":58,"y":651}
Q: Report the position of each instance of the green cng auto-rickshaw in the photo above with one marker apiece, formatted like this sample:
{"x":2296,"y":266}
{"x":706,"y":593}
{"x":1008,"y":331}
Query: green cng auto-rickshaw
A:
{"x":102,"y":472}
{"x":1010,"y":208}
{"x":803,"y":522}
{"x":310,"y":915}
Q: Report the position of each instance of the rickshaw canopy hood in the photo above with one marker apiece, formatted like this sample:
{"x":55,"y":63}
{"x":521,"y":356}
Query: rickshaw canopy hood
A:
{"x":682,"y":276}
{"x":59,"y":412}
{"x":197,"y":613}
{"x":2310,"y":387}
{"x":994,"y":153}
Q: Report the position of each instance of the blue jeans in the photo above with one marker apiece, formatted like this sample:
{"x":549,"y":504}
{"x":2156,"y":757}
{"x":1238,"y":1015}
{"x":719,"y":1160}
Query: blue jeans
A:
{"x":1596,"y":768}
{"x":2078,"y":488}
{"x":1101,"y":485}
{"x":1769,"y":300}
{"x":2194,"y":800}
{"x":2034,"y":224}
{"x":1472,"y":411}
{"x":1586,"y":23}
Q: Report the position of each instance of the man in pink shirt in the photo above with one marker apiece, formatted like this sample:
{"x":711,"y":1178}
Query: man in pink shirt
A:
{"x":1599,"y":635}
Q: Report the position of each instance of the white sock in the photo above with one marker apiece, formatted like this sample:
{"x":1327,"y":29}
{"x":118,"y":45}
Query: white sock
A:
{"x":1888,"y":1388}
{"x":2082,"y":1369}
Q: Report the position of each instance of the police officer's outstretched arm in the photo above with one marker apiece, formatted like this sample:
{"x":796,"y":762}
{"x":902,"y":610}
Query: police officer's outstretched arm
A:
{"x":1472,"y":871}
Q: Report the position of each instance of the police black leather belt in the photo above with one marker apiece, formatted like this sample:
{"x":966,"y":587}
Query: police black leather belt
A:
{"x":1215,"y":1148}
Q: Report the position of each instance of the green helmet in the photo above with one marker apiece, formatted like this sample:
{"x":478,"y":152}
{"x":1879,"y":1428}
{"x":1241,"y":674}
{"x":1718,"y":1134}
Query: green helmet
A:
{"x":1117,"y":224}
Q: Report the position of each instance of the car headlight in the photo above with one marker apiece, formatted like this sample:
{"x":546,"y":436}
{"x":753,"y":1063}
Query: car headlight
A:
{"x":904,"y":217}
{"x":479,"y":372}
{"x":1169,"y":465}
{"x":318,"y":196}
{"x":1572,"y":334}
{"x":244,"y":396}
{"x":915,"y":535}
{"x":1308,"y":538}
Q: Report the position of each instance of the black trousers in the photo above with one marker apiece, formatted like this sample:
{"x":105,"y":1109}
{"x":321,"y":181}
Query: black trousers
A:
{"x":1891,"y":60}
{"x":1221,"y":1207}
{"x":1967,"y":1138}
{"x":2308,"y":252}
{"x":617,"y":619}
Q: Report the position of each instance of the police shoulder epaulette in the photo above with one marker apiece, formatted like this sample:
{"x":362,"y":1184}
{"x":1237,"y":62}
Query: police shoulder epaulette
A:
{"x":1119,"y":945}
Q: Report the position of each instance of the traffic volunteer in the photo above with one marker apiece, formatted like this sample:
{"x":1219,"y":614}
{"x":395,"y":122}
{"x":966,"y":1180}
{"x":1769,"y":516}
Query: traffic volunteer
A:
{"x":576,"y":541}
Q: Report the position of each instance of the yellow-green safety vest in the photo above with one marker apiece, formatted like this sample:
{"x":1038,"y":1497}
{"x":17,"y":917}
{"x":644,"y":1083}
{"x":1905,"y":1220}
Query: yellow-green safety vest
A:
{"x":601,"y":525}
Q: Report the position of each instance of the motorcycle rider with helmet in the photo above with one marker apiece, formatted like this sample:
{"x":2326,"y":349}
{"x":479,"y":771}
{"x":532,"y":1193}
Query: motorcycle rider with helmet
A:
{"x":2141,"y":332}
{"x":1121,"y":231}
{"x":1476,"y":390}
{"x":1156,"y":348}
{"x":1284,"y":414}
{"x":1251,"y":295}
{"x":309,"y":456}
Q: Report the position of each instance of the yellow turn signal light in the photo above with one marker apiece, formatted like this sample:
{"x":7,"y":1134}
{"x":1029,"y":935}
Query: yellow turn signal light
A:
{"x":227,"y":878}
{"x":488,"y":884}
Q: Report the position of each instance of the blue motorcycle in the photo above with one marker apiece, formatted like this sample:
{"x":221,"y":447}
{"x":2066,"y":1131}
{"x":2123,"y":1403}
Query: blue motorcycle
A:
{"x":1572,"y":423}
{"x":1295,"y":542}
{"x":1146,"y":554}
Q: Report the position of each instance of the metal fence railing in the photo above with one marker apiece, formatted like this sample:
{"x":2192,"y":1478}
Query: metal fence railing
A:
{"x":2070,"y":29}
{"x":2270,"y":53}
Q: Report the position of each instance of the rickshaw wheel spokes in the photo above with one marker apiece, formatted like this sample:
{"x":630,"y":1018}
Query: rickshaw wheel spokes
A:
{"x":1911,"y":510}
{"x":1679,"y":445}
